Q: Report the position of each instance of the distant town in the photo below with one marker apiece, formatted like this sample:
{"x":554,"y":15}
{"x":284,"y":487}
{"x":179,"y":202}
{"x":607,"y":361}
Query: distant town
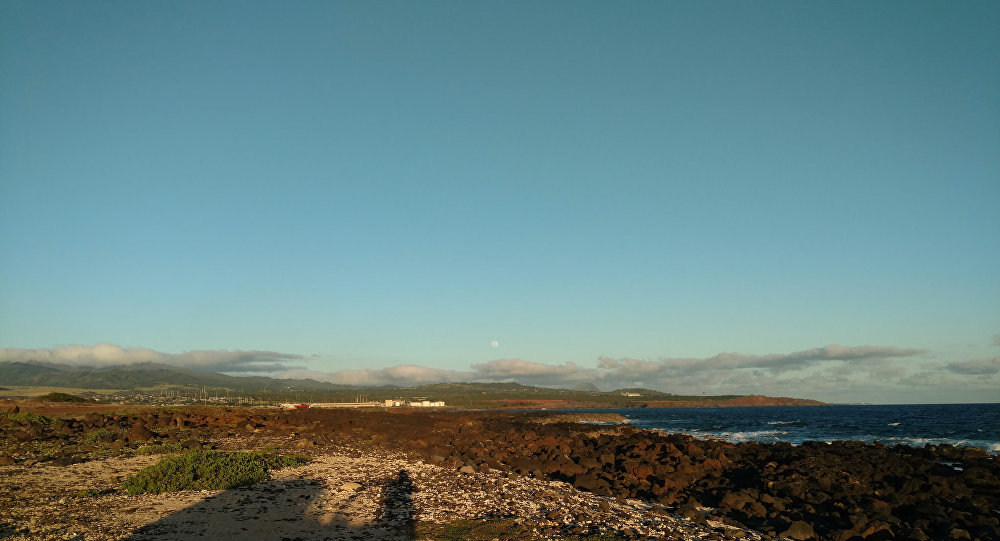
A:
{"x":387,"y":403}
{"x":222,"y":397}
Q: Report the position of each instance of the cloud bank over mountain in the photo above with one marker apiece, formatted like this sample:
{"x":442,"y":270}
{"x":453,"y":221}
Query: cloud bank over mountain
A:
{"x":832,"y":373}
{"x":100,"y":355}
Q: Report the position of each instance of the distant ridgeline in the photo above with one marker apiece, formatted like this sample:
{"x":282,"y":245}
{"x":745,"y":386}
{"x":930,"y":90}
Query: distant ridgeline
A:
{"x":151,"y":378}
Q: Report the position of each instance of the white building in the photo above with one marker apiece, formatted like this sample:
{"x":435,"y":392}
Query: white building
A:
{"x":426,"y":404}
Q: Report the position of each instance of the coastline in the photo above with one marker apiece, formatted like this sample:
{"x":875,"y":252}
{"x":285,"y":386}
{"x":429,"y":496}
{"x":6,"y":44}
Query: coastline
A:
{"x":841,"y":490}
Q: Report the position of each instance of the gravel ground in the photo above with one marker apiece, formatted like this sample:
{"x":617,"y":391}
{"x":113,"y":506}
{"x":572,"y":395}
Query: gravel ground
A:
{"x":342,"y":494}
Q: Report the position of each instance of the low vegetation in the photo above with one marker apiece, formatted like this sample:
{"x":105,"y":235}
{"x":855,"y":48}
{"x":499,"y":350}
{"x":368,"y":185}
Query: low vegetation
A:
{"x":61,"y":397}
{"x":102,"y":435}
{"x":207,"y":470}
{"x":26,"y":417}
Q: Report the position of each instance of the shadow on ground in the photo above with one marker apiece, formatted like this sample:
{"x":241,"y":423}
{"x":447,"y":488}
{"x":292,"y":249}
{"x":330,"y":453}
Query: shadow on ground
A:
{"x":8,"y":530}
{"x":292,"y":510}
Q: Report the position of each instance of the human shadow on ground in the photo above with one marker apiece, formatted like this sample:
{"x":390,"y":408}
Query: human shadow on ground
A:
{"x":299,"y":510}
{"x":9,"y":530}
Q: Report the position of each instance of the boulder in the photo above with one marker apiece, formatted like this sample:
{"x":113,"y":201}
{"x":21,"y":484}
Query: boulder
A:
{"x":736,"y":500}
{"x":799,"y":530}
{"x":139,"y":432}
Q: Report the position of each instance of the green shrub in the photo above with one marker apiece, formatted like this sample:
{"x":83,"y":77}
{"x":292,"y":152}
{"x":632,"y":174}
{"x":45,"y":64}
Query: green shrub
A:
{"x":102,"y":434}
{"x":276,"y":462}
{"x":205,"y":470}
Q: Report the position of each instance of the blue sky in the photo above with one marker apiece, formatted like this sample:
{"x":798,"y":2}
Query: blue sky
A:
{"x":373,"y":185}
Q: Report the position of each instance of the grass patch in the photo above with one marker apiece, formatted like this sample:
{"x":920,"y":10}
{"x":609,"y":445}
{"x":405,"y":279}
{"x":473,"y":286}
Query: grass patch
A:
{"x":207,"y":470}
{"x":276,"y":462}
{"x":26,"y":417}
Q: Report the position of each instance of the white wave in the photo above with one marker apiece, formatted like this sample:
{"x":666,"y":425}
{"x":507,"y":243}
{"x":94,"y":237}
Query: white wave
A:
{"x":912,"y":441}
{"x":754,"y":435}
{"x":991,"y":447}
{"x":895,"y":424}
{"x":779,"y":423}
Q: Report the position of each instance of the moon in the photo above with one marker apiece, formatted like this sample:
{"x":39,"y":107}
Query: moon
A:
{"x":494,"y":344}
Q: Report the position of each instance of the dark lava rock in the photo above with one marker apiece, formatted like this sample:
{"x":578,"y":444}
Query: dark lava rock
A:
{"x":799,"y":530}
{"x":66,"y":460}
{"x":139,"y":432}
{"x":191,"y":444}
{"x":737,"y":500}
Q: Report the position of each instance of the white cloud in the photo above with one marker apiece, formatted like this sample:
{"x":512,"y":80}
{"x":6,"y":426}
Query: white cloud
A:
{"x":510,"y":368}
{"x":976,"y":367}
{"x":532,"y":373}
{"x":102,"y":355}
{"x":792,"y":361}
{"x":99,"y":355}
{"x":401,"y":375}
{"x":831,"y":373}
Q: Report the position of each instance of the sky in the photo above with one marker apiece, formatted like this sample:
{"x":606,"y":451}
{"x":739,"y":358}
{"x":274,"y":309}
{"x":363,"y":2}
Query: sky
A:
{"x":784,"y":198}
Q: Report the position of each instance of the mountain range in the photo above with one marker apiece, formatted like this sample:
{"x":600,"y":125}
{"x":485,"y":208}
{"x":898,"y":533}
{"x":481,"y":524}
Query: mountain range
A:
{"x":144,"y":376}
{"x":156,"y":376}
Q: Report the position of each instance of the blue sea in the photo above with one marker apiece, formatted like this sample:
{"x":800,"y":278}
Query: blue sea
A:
{"x":965,"y":425}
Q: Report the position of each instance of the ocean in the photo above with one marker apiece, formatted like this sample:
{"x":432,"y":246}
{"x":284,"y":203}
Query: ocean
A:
{"x":964,"y":425}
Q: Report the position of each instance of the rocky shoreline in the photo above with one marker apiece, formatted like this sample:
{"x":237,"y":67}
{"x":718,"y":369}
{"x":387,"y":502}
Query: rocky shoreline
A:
{"x":541,"y":476}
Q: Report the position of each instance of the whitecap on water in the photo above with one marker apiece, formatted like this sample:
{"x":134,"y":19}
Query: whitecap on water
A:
{"x":755,"y":435}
